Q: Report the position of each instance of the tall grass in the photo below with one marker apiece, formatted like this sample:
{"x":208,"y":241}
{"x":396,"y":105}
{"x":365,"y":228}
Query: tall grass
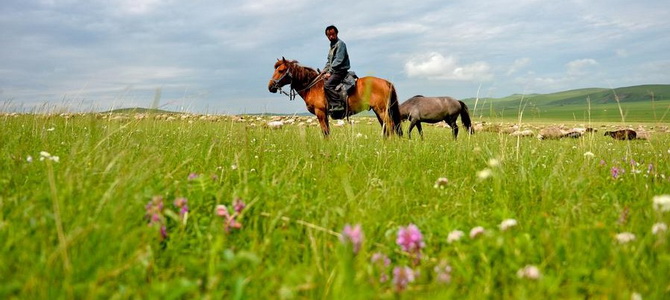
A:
{"x":77,"y":227}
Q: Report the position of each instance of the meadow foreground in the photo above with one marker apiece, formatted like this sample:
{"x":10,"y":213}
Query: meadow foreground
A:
{"x":106,"y":206}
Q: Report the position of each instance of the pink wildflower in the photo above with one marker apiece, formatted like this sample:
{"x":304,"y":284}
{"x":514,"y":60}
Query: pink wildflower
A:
{"x":353,"y":235}
{"x":164,"y":232}
{"x":239,"y":205}
{"x":410,"y":238}
{"x":154,"y":214}
{"x":443,"y":272}
{"x":402,"y":276}
{"x":616,"y":172}
{"x":222,"y":211}
{"x":182,"y":204}
{"x":229,"y":221}
{"x":154,"y":210}
{"x":411,"y":241}
{"x":381,"y":263}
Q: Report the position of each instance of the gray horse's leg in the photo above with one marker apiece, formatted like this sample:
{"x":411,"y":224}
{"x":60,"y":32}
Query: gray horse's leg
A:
{"x":418,"y":127}
{"x":454,"y":126}
{"x":412,"y":123}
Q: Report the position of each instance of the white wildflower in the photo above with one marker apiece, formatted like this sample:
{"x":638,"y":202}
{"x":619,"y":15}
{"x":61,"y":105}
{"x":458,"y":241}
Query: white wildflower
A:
{"x":507,"y":224}
{"x":483,"y":174}
{"x":589,"y":154}
{"x":635,"y":296}
{"x":477,"y":231}
{"x":662,"y":203}
{"x":441,"y":182}
{"x":625,"y":237}
{"x":493,"y":163}
{"x":529,"y":272}
{"x":454,"y":236}
{"x":29,"y":159}
{"x":659,"y":228}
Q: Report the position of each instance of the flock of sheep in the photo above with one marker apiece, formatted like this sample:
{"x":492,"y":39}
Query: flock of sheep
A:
{"x":641,"y":132}
{"x":561,"y":131}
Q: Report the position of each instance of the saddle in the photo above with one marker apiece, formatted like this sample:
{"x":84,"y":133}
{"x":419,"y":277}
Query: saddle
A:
{"x":344,"y":89}
{"x":347,"y":85}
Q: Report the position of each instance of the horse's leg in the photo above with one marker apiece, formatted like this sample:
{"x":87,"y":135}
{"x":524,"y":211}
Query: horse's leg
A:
{"x":454,"y":126}
{"x":385,"y":128}
{"x":411,"y":127}
{"x":418,"y":127}
{"x":323,"y":121}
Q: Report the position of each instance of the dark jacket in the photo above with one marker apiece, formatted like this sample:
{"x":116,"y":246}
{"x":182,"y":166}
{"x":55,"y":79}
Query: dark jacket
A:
{"x":338,"y":58}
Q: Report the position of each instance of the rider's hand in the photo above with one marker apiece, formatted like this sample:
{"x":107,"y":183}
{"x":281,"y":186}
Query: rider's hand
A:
{"x":326,"y":75}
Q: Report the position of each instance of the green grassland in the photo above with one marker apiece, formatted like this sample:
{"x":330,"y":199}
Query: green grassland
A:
{"x":645,"y":103}
{"x":76,"y":226}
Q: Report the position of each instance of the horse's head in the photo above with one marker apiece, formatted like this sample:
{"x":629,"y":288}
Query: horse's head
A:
{"x":281,"y":76}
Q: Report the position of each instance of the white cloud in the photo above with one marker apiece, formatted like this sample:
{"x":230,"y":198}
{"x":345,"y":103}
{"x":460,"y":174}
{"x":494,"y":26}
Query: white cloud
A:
{"x":580,"y":66}
{"x":273,"y":7}
{"x":621,"y":53}
{"x":387,"y":29}
{"x":435,"y":66}
{"x":225,"y":50}
{"x":517,"y":65}
{"x":138,"y":7}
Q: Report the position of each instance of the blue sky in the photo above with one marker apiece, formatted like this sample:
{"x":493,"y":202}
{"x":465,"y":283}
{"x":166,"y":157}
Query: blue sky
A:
{"x":217,"y":56}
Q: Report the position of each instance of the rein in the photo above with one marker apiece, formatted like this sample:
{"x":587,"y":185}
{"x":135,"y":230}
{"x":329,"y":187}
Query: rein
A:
{"x":292,"y":92}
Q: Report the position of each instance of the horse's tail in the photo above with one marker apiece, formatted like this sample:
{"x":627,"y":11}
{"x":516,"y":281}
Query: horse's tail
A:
{"x":394,"y":110}
{"x":465,"y":117}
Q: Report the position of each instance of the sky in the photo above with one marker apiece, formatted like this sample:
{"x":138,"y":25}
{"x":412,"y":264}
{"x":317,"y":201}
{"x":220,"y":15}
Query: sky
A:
{"x":216,"y":57}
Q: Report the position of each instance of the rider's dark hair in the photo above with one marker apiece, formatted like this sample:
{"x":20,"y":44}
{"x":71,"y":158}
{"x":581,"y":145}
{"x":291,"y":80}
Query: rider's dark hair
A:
{"x":333,"y":28}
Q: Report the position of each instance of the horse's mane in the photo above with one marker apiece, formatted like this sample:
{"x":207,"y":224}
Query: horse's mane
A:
{"x":300,"y":72}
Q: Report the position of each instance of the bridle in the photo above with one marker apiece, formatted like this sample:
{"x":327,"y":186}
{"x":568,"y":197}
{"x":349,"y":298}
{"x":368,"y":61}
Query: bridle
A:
{"x":275,"y":84}
{"x":292,"y":92}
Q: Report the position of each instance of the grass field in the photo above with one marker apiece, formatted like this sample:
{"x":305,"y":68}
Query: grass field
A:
{"x":95,"y":206}
{"x":644,"y":103}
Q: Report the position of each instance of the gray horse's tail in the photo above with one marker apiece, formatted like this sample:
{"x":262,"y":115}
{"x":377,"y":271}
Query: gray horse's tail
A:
{"x":465,"y":117}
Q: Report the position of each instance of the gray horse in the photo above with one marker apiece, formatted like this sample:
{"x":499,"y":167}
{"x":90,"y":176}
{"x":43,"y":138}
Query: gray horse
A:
{"x":435,"y":109}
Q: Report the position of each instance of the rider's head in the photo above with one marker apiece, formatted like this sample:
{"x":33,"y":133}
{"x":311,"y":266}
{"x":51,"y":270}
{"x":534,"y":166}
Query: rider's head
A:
{"x":331,"y":33}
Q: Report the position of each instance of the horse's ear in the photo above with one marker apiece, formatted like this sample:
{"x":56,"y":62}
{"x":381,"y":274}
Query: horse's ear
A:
{"x":318,"y":71}
{"x":283,"y":59}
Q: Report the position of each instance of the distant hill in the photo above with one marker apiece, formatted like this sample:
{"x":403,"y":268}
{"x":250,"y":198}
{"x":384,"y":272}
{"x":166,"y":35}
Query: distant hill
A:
{"x":589,"y":104}
{"x":592,"y":103}
{"x":138,"y":110}
{"x":581,"y":96}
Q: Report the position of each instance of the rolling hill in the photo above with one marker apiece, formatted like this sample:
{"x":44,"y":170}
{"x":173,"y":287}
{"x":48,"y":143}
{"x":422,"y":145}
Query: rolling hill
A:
{"x":643,"y":103}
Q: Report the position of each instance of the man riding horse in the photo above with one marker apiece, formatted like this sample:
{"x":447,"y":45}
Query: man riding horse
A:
{"x":335,"y":71}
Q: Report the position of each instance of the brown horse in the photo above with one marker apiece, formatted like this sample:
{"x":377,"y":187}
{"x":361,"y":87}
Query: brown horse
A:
{"x":370,"y":93}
